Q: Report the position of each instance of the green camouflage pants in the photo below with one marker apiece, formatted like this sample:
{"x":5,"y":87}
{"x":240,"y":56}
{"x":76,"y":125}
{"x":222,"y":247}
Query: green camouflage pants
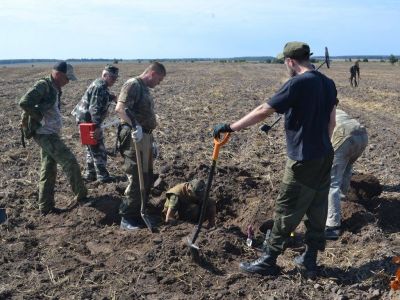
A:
{"x":53,"y":152}
{"x":96,"y":160}
{"x":304,"y":193}
{"x":130,"y":205}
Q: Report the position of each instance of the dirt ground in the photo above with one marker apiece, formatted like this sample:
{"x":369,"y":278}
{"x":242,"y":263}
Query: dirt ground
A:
{"x":82,"y":253}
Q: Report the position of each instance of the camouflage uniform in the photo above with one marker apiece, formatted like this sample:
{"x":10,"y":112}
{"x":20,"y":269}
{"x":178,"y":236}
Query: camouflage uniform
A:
{"x":354,"y":71}
{"x":41,"y":105}
{"x":349,"y":140}
{"x":137,"y":98}
{"x":93,"y":108}
{"x":185,"y":200}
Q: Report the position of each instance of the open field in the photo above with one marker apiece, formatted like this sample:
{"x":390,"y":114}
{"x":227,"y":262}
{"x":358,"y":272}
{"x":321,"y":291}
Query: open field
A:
{"x":82,"y":254}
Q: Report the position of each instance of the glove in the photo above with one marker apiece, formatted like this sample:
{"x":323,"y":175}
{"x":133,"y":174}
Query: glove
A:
{"x":137,"y":134}
{"x":154,"y":149}
{"x":221,"y":128}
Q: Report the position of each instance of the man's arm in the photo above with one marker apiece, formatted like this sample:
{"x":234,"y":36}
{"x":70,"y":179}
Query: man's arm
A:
{"x":120,"y":110}
{"x":253,"y":117}
{"x":97,"y":103}
{"x":30,"y":102}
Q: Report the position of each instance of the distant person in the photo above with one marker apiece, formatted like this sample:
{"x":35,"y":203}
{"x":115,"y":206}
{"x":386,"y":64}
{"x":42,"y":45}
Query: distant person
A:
{"x":135,"y":96}
{"x":349,"y":140}
{"x":354,"y":73}
{"x":42,"y":120}
{"x":184,"y":201}
{"x":92,"y":108}
{"x":308,"y":100}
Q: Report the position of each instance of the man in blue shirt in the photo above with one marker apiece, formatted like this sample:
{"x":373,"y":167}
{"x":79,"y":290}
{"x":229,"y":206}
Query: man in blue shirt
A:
{"x":308,"y":100}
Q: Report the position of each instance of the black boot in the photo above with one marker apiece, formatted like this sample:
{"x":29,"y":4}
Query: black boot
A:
{"x":308,"y":262}
{"x":264,"y":265}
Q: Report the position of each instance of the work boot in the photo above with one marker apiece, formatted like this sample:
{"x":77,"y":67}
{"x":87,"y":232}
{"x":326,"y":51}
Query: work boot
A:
{"x":264,"y":265}
{"x":53,"y":210}
{"x":130,"y":224}
{"x":332,"y":232}
{"x":308,"y":262}
{"x":105,"y":179}
{"x":89,"y":176}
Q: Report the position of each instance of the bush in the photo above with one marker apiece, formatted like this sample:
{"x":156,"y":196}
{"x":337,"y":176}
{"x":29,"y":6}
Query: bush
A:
{"x":393,"y":59}
{"x":365,"y":60}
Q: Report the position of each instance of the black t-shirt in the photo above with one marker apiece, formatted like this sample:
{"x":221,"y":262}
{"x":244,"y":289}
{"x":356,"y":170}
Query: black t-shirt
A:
{"x":307,"y":101}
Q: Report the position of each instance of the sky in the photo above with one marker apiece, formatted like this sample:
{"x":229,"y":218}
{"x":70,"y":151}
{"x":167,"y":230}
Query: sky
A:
{"x":151,"y":29}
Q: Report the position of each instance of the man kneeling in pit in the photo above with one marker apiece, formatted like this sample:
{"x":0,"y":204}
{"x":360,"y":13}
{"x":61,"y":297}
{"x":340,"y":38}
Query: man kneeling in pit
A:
{"x":184,"y":202}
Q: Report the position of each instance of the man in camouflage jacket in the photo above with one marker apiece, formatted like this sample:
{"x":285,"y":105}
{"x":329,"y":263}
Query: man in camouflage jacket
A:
{"x":93,"y":108}
{"x":42,"y":120}
{"x":185,"y":200}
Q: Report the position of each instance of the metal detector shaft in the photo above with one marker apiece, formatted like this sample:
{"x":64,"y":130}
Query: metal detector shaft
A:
{"x":326,"y":61}
{"x":267,"y":128}
{"x":321,"y":65}
{"x":143,"y":196}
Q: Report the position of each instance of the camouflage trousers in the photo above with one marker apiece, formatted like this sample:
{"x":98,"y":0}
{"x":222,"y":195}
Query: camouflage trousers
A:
{"x":54,"y":151}
{"x":96,"y":160}
{"x":130,"y":205}
{"x":303,"y":195}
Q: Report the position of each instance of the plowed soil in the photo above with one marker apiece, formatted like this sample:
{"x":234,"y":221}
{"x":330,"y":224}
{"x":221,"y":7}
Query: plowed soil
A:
{"x":82,"y":253}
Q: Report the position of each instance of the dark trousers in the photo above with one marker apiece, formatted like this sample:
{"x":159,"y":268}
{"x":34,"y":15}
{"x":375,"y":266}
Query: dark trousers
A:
{"x":304,"y":194}
{"x":130,"y":205}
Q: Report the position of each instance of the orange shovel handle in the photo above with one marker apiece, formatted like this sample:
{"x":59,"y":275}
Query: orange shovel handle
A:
{"x":218,"y":143}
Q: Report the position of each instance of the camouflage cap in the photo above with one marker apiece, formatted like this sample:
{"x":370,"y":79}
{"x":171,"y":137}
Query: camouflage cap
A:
{"x":197,"y":186}
{"x":65,"y":68}
{"x":112,"y":70}
{"x":295,"y":50}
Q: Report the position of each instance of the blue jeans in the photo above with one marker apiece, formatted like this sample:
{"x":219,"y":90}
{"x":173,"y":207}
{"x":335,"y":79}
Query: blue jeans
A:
{"x":342,"y":168}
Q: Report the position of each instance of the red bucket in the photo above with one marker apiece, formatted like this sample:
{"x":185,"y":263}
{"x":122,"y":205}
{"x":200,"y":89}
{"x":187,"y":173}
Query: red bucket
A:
{"x":86,"y":130}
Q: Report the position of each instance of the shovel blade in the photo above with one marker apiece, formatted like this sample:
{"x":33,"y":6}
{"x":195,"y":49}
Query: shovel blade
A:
{"x":147,"y":221}
{"x":194,"y":250}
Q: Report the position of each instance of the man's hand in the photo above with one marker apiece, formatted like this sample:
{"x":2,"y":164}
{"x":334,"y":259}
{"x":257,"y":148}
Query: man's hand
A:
{"x":113,"y":97}
{"x":137,"y":134}
{"x":221,"y":128}
{"x":98,"y":134}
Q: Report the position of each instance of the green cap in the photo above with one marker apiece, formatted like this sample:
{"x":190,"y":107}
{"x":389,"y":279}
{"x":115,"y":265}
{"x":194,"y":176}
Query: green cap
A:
{"x":112,"y":70}
{"x":295,"y":50}
{"x":197,"y":186}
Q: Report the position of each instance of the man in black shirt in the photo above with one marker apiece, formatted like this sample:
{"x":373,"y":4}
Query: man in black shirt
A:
{"x":308,"y":101}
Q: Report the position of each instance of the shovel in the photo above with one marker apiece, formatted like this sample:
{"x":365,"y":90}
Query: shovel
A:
{"x":143,"y":195}
{"x":194,"y":249}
